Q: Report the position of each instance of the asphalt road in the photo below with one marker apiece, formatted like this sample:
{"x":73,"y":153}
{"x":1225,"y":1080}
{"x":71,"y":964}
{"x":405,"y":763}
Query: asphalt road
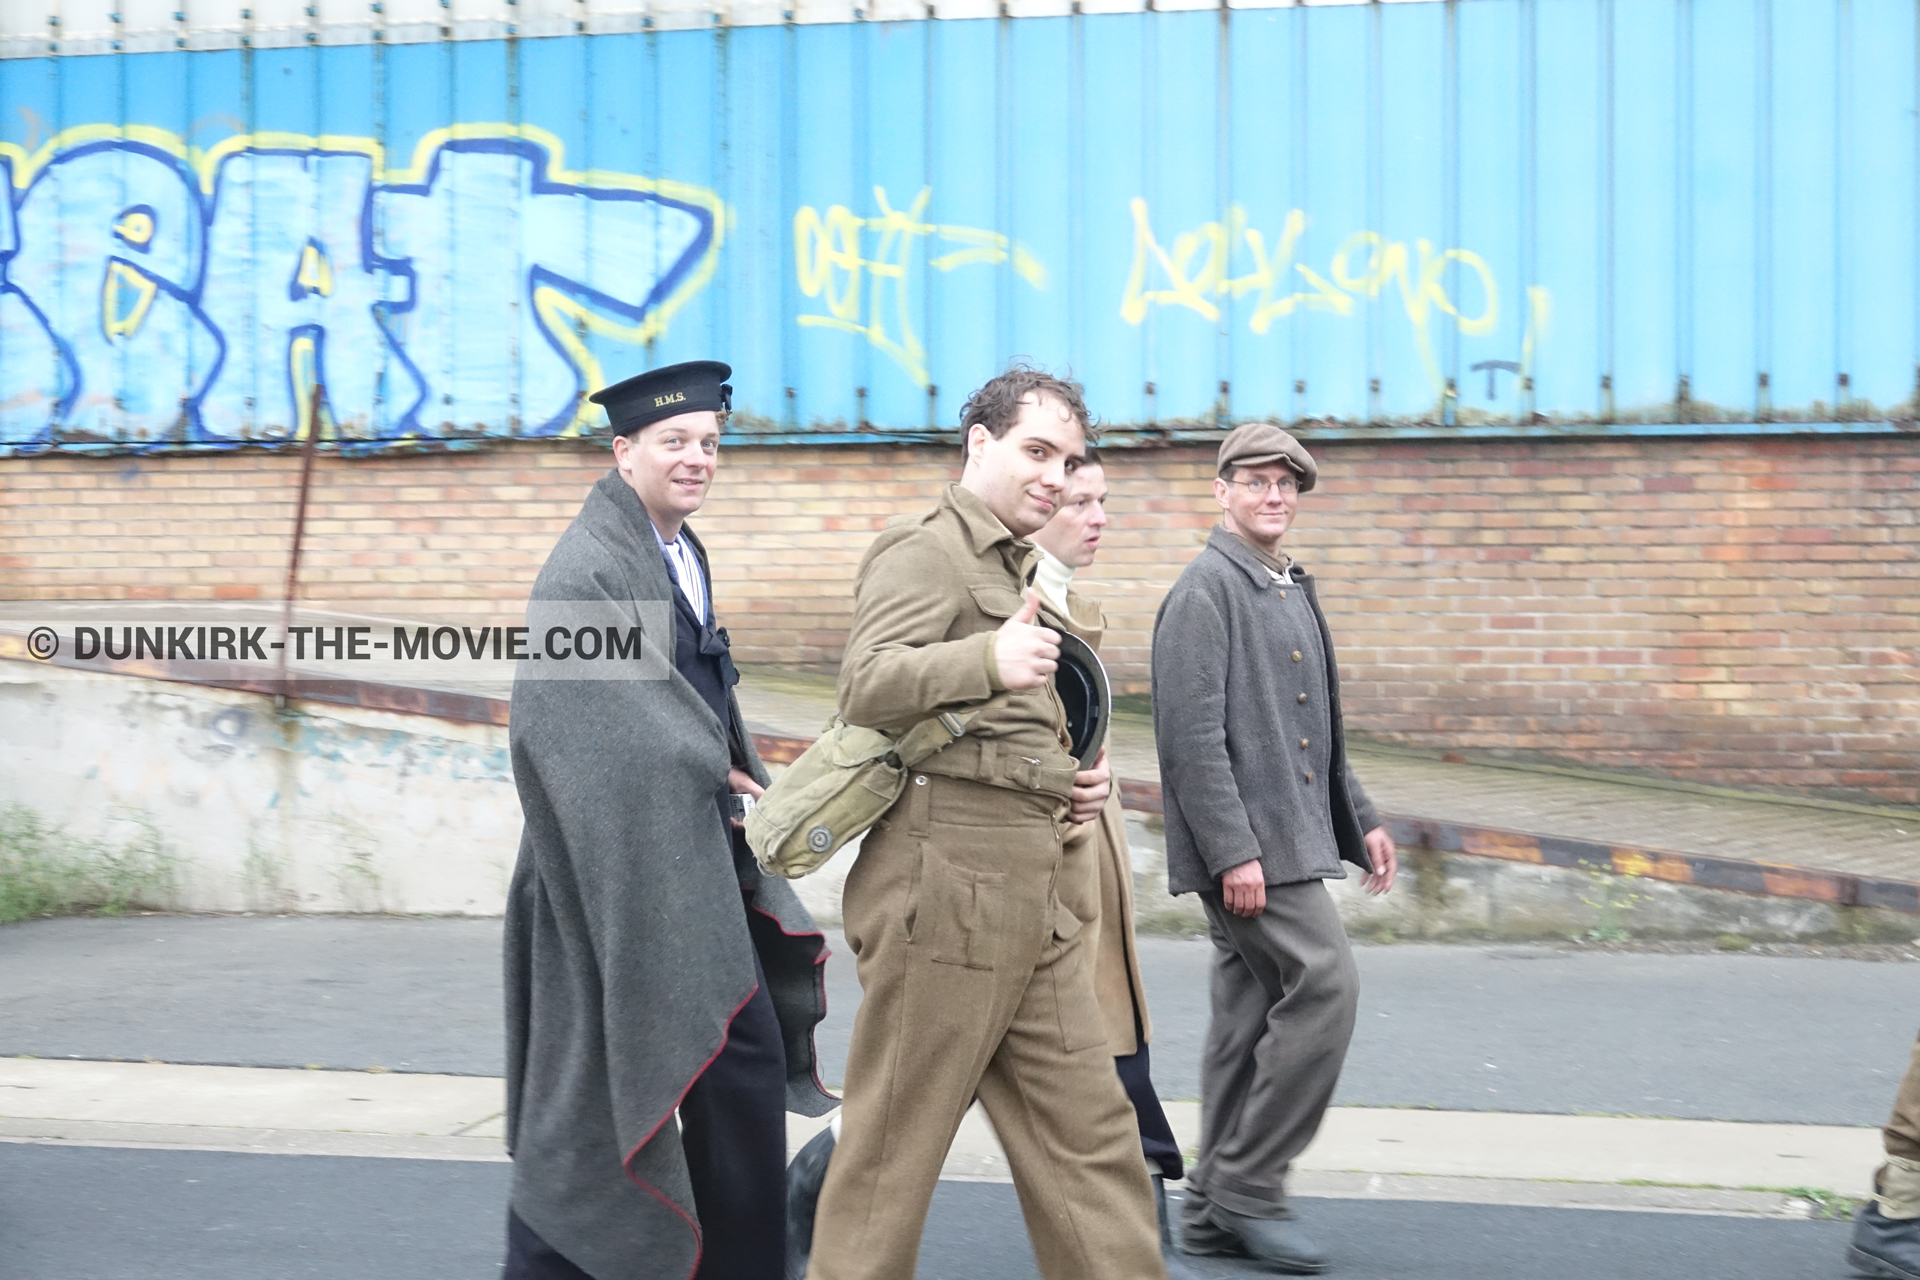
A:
{"x":84,"y":1213}
{"x":262,"y":991}
{"x":1727,"y":1037}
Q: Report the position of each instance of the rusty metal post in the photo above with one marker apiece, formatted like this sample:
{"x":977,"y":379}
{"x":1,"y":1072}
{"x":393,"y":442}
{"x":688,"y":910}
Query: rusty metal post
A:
{"x":308,"y":449}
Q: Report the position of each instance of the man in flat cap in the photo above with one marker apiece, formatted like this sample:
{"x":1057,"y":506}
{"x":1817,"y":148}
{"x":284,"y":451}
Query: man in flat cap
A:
{"x":1260,"y":807}
{"x":649,"y":968}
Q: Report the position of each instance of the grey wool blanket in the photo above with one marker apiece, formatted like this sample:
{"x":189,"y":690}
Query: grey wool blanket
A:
{"x":628,"y":951}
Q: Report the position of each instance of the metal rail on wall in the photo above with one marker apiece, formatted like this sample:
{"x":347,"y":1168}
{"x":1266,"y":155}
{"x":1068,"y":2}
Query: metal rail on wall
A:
{"x":309,"y":449}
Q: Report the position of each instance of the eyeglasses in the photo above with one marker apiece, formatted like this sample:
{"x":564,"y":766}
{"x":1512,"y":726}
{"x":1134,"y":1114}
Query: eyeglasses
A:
{"x":1258,"y":488}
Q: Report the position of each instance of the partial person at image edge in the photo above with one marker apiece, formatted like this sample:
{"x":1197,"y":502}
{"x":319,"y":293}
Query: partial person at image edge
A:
{"x":1886,"y":1232}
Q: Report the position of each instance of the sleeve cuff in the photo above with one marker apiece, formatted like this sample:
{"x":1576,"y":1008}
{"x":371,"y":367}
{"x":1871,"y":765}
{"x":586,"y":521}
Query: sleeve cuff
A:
{"x":1234,"y":860}
{"x":991,"y":667}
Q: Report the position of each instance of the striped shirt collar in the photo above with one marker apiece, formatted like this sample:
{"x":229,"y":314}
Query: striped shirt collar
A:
{"x":685,"y":564}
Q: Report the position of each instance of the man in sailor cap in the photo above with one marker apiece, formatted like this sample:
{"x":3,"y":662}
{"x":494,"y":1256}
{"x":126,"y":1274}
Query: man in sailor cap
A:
{"x":661,"y":995}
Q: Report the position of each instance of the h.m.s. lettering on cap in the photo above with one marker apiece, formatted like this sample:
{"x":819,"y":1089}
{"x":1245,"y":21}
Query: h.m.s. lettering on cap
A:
{"x":657,"y":394}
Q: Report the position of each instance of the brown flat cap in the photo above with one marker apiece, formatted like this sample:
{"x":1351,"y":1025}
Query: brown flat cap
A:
{"x":1254,"y":444}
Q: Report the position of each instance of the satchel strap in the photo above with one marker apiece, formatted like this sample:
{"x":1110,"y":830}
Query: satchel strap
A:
{"x":930,"y":735}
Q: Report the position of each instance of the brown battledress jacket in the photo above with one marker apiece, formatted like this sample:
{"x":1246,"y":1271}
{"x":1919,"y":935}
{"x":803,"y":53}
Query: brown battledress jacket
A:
{"x":934,"y":588}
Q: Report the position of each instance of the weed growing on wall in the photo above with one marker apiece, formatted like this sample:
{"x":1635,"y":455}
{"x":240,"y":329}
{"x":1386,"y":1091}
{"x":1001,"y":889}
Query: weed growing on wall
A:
{"x":1613,"y":899}
{"x":44,"y":871}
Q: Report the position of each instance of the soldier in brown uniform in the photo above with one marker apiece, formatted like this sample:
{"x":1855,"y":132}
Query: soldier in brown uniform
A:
{"x":968,"y":910}
{"x":1068,"y":544}
{"x":1886,"y":1232}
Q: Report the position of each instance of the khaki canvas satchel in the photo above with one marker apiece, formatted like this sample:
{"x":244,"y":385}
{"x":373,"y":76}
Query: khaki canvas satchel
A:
{"x":840,"y":786}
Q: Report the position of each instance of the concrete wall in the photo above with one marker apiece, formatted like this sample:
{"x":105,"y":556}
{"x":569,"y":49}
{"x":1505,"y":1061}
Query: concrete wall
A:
{"x":335,"y":809}
{"x":1456,"y":897}
{"x":1741,"y":611}
{"x":315,"y":810}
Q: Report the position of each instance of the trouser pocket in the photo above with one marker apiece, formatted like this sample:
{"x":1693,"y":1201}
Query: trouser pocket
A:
{"x":1076,"y":1005}
{"x":956,"y":913}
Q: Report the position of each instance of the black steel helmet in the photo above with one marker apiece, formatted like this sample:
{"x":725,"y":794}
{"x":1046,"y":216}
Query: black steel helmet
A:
{"x":1081,"y":682}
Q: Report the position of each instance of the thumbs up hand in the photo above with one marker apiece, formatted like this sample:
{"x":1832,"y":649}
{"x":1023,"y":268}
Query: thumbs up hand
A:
{"x":1025,"y":654}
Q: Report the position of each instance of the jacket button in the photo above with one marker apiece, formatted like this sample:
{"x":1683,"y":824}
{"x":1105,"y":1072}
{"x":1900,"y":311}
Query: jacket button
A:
{"x":1296,"y":655}
{"x":1303,"y":744}
{"x":1309,"y":775}
{"x":1301,"y":698}
{"x":1283,"y":595}
{"x":920,"y":781}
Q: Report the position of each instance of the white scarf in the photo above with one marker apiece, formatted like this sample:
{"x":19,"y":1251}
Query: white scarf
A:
{"x":1053,"y":576}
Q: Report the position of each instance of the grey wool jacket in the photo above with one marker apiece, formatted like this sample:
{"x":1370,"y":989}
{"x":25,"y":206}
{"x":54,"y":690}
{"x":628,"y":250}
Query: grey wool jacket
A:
{"x":1246,"y":712}
{"x":628,"y":950}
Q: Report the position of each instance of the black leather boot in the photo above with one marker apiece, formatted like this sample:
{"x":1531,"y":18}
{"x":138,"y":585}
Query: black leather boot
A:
{"x":805,"y":1176}
{"x":1885,"y":1247}
{"x":1177,"y":1269}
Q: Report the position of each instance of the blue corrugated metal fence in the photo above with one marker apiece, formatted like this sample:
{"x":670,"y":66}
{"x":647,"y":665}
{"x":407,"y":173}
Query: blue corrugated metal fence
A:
{"x":1486,"y":212}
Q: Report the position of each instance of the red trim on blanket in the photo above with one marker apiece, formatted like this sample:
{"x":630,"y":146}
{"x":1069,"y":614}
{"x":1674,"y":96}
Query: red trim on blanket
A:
{"x":626,"y":1165}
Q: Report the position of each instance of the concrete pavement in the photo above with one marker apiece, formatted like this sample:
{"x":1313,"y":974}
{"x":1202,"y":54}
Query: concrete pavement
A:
{"x":264,"y":991}
{"x":1461,"y":1028}
{"x":162,"y":1105}
{"x":1471,"y":1063}
{"x":132,"y":1169}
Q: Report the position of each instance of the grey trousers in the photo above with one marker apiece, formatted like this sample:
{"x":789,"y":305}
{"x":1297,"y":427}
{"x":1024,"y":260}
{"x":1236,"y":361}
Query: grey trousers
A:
{"x":1284,"y":991}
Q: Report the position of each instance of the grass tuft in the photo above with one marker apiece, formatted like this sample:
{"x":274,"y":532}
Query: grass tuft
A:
{"x":46,"y":872}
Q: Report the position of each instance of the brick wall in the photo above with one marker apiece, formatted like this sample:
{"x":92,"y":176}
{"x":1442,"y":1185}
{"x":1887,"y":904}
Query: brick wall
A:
{"x":1741,"y":611}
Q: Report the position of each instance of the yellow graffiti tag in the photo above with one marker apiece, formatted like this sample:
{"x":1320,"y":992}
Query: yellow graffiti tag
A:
{"x":1198,"y":269}
{"x":316,"y":271}
{"x":125,"y":298}
{"x":303,"y":370}
{"x":1539,"y":312}
{"x":136,"y":228}
{"x":861,"y":269}
{"x":1216,"y":243}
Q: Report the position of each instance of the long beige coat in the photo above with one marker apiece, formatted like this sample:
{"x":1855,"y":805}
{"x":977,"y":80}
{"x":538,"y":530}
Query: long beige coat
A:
{"x":1116,"y":971}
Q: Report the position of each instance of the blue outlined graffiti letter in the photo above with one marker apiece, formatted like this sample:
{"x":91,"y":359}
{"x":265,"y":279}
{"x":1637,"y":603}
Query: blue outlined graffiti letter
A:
{"x":293,"y":282}
{"x":519,"y":270}
{"x":109,"y":252}
{"x":30,"y":366}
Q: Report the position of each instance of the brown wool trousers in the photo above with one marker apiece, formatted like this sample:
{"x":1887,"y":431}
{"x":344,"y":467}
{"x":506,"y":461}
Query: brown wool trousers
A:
{"x":1285,"y":991}
{"x":1902,"y":1132}
{"x":969,"y":925}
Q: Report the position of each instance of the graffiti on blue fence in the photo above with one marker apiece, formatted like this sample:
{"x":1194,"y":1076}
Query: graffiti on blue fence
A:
{"x":1196,"y":270}
{"x":151,"y":291}
{"x":867,"y":289}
